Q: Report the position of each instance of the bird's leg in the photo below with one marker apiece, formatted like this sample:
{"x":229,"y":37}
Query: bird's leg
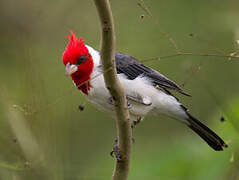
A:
{"x":133,"y":125}
{"x":135,"y":122}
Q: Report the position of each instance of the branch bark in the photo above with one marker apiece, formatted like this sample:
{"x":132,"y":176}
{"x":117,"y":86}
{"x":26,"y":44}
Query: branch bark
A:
{"x":124,"y":131}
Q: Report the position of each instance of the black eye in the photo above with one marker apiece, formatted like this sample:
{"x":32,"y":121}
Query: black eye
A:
{"x":81,"y":60}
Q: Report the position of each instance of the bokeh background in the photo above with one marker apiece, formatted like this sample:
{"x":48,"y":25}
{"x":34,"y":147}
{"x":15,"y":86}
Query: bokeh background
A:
{"x":43,"y":134}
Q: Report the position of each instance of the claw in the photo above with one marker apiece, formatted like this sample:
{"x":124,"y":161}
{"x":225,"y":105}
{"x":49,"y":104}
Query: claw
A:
{"x":115,"y":151}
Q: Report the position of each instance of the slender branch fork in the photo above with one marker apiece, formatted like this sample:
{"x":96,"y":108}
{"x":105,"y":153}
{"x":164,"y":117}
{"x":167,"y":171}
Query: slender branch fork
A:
{"x":124,"y":131}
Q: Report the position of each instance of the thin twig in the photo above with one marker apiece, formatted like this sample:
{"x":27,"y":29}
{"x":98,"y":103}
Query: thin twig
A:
{"x":207,"y":42}
{"x":230,"y":56}
{"x":144,"y":7}
{"x":116,"y":90}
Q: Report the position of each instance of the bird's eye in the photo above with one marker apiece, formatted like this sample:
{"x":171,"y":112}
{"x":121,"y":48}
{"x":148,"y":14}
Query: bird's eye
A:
{"x":81,"y":60}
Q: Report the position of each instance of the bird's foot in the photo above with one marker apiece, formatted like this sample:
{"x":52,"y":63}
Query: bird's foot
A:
{"x":115,"y":151}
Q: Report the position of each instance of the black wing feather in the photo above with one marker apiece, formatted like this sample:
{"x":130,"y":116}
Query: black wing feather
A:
{"x":132,"y":68}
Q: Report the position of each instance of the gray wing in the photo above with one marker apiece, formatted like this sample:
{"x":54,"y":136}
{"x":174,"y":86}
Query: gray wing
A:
{"x":132,"y":68}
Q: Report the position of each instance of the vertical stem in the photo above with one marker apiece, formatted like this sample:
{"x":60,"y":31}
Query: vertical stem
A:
{"x":115,"y":88}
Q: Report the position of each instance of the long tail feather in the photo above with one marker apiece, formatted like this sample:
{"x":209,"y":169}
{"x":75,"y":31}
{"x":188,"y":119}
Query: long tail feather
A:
{"x":212,"y":139}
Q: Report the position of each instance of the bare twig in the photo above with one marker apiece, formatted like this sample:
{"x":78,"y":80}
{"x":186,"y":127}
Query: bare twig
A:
{"x":115,"y":88}
{"x":229,"y":56}
{"x":207,"y":42}
{"x":144,"y":7}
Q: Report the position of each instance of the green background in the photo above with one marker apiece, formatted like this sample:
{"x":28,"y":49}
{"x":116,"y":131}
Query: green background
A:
{"x":43,"y":135}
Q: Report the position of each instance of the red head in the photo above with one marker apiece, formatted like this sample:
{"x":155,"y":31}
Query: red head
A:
{"x":79,"y":63}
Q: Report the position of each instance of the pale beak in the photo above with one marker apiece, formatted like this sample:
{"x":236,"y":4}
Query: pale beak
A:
{"x":70,"y":69}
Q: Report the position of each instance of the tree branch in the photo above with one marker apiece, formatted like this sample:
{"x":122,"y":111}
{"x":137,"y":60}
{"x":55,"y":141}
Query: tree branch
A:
{"x":116,"y":90}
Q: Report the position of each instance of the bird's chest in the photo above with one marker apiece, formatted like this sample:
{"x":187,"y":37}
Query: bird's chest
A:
{"x":99,"y":95}
{"x":101,"y":98}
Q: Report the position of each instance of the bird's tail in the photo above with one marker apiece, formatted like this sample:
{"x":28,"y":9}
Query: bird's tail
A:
{"x":212,"y":139}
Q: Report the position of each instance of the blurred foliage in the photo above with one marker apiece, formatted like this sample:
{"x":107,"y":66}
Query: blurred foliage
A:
{"x":43,"y":135}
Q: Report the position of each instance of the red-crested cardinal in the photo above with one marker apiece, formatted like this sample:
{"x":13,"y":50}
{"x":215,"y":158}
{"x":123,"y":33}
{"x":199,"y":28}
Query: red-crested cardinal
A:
{"x":147,"y":91}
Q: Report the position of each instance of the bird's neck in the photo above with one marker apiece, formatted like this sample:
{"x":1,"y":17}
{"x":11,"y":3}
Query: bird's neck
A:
{"x":81,"y":78}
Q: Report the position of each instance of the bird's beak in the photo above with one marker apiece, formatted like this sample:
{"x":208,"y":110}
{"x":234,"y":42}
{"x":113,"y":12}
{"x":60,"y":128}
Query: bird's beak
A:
{"x":70,"y":69}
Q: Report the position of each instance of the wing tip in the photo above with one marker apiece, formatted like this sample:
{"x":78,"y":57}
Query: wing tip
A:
{"x":184,"y":93}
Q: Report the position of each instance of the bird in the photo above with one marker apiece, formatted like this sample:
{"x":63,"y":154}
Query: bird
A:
{"x":148,"y":92}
